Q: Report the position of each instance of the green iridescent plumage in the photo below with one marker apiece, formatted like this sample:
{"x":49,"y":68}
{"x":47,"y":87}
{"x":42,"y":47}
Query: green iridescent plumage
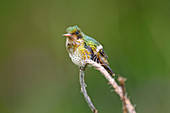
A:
{"x":90,"y":41}
{"x":94,"y":44}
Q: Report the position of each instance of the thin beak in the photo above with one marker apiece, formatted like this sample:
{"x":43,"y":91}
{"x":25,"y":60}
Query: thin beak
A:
{"x":68,"y":34}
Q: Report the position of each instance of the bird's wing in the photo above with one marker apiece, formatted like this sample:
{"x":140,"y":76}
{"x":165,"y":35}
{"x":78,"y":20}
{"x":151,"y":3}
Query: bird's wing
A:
{"x":95,"y":46}
{"x":97,"y":53}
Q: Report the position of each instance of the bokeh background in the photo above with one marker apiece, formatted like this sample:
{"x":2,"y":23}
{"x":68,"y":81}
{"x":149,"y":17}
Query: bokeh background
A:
{"x":37,"y":75}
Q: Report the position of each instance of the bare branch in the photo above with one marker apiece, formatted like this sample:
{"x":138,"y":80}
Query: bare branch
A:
{"x":130,"y":108}
{"x":83,"y":90}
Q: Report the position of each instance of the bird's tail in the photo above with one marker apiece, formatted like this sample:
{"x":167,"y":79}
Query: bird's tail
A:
{"x":108,"y":69}
{"x":106,"y":66}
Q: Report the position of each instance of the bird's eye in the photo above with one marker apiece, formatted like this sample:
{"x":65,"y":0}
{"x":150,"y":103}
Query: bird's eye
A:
{"x":77,"y":32}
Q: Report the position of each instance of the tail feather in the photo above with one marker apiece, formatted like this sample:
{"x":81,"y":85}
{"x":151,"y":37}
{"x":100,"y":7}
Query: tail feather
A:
{"x":108,"y":69}
{"x":106,"y":66}
{"x":104,"y":63}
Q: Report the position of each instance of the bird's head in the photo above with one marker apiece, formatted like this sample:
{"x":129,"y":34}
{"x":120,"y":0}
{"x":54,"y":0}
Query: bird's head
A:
{"x":74,"y":33}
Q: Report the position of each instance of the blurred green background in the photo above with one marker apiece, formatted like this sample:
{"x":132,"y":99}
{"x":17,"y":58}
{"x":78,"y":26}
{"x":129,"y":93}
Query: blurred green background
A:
{"x":37,"y":75}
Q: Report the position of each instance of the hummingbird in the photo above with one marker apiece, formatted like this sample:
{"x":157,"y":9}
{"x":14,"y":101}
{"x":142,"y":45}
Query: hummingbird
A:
{"x":81,"y":47}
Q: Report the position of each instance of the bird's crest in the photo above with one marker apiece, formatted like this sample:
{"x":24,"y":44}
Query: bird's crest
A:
{"x":73,"y":29}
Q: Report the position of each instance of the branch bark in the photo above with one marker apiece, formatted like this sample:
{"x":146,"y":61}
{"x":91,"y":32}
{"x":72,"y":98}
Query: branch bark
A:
{"x":83,"y":90}
{"x":122,"y":84}
{"x":118,"y":89}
